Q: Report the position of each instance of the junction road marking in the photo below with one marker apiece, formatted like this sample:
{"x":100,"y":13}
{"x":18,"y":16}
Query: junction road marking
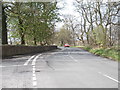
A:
{"x":34,"y":78}
{"x":26,"y":63}
{"x":34,"y":60}
{"x":73,"y":58}
{"x":109,"y":77}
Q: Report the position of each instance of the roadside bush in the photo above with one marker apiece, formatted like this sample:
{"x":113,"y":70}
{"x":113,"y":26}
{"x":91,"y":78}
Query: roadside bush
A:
{"x":110,"y":53}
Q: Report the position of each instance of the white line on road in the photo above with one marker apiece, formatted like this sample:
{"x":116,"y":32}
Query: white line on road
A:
{"x":73,"y":58}
{"x":109,"y":77}
{"x":33,"y":72}
{"x":12,"y":66}
{"x":26,"y":63}
{"x":34,"y":78}
{"x":34,"y":60}
{"x":34,"y":75}
{"x":35,"y":84}
{"x":33,"y":68}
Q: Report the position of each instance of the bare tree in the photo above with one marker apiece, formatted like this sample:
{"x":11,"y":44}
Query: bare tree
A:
{"x":72,"y":25}
{"x":98,"y":19}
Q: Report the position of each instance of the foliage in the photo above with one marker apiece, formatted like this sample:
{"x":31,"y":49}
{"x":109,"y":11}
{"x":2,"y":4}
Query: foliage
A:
{"x":98,"y":22}
{"x":111,"y":53}
{"x":64,"y":36}
{"x":32,"y":21}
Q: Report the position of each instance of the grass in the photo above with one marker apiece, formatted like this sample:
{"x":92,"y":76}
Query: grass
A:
{"x":110,"y":53}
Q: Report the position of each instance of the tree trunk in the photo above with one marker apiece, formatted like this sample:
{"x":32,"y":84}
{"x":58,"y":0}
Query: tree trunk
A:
{"x":82,"y":39}
{"x":4,"y":27}
{"x":35,"y":43}
{"x":21,"y":32}
{"x":110,"y":36}
{"x":22,"y":40}
{"x":87,"y":39}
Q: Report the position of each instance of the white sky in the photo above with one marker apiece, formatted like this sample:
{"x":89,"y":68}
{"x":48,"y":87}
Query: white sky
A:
{"x":68,"y":9}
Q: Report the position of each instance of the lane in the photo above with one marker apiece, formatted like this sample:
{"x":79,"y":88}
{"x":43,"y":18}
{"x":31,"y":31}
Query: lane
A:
{"x":70,"y":70}
{"x":15,"y":74}
{"x":65,"y":68}
{"x":19,"y":71}
{"x":110,"y":77}
{"x":15,"y":60}
{"x":26,"y":63}
{"x":34,"y":71}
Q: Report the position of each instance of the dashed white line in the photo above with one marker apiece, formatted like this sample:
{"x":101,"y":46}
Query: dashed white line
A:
{"x":34,"y":78}
{"x":33,"y":72}
{"x":33,"y":69}
{"x":34,"y":75}
{"x":34,"y":84}
{"x":26,"y":63}
{"x":73,"y":58}
{"x":34,"y":66}
{"x":109,"y":77}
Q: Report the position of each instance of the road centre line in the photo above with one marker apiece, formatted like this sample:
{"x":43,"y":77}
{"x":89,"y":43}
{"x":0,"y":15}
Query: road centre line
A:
{"x":109,"y":77}
{"x":33,"y":68}
{"x":34,"y":84}
{"x":34,"y":78}
{"x":26,"y":63}
{"x":73,"y":58}
{"x":34,"y":75}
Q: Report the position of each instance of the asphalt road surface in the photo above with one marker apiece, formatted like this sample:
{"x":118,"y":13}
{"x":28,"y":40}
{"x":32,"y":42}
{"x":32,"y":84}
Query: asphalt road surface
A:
{"x":65,"y":68}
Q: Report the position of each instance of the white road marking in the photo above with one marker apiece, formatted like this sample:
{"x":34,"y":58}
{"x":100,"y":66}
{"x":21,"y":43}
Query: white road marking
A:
{"x":112,"y":78}
{"x":12,"y":66}
{"x":26,"y":63}
{"x":34,"y":60}
{"x":34,"y":78}
{"x":73,"y":58}
{"x":34,"y":75}
{"x":34,"y":84}
{"x":33,"y":72}
{"x":109,"y":77}
{"x":33,"y":68}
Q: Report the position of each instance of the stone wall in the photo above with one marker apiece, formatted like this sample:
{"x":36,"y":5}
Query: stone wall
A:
{"x":11,"y":50}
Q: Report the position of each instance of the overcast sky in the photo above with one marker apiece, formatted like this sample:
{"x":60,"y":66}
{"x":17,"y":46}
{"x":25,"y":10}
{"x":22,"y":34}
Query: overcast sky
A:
{"x":69,"y":8}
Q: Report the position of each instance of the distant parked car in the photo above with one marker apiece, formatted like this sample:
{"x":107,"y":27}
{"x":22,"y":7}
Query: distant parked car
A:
{"x":66,"y":45}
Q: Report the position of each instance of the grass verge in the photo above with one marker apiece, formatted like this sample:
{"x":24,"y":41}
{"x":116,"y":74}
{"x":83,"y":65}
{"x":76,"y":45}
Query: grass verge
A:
{"x":110,"y":53}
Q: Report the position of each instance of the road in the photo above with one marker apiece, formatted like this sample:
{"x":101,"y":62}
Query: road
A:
{"x":65,"y":68}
